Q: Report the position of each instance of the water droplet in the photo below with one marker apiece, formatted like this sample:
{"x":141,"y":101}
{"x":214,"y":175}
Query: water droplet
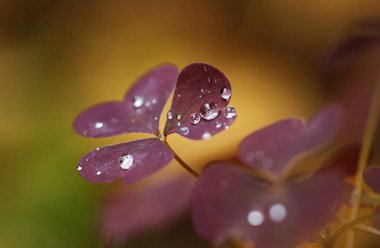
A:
{"x":178,"y":124}
{"x":215,"y":80}
{"x":99,"y":125}
{"x":179,"y":95}
{"x":205,"y":68}
{"x":138,"y":101}
{"x":255,"y":218}
{"x":178,"y":117}
{"x":206,"y":135}
{"x":209,"y":80}
{"x":267,"y":163}
{"x":226,"y":127}
{"x":209,"y":111}
{"x":277,"y":213}
{"x":98,"y":173}
{"x":218,"y":124}
{"x":250,"y":157}
{"x":154,"y":101}
{"x":225,"y":93}
{"x":195,"y":118}
{"x":147,"y":104}
{"x":156,"y":118}
{"x":79,"y":168}
{"x":97,"y":149}
{"x":170,"y":115}
{"x":202,"y":90}
{"x":126,"y":161}
{"x":184,"y":131}
{"x":229,"y":112}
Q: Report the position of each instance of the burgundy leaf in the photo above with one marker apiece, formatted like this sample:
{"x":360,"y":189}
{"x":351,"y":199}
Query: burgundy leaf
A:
{"x":132,"y":161}
{"x":140,"y":111}
{"x":372,"y":177}
{"x":135,"y":211}
{"x":272,"y":147}
{"x":199,"y":109}
{"x":227,"y":202}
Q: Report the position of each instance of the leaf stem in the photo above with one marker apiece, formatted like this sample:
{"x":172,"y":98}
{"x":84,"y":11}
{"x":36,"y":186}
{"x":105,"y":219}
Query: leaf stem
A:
{"x":180,"y":161}
{"x":367,"y":140}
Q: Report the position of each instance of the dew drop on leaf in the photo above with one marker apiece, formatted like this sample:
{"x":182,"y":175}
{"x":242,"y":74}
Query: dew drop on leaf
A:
{"x":126,"y":162}
{"x":229,"y":112}
{"x":277,"y":213}
{"x":170,"y":115}
{"x":225,"y":93}
{"x":206,"y":135}
{"x":209,"y":111}
{"x":99,"y":125}
{"x":195,"y":118}
{"x":138,"y":101}
{"x":255,"y":218}
{"x":184,"y":130}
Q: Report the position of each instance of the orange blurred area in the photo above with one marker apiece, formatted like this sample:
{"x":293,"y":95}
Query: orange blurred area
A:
{"x":59,"y":57}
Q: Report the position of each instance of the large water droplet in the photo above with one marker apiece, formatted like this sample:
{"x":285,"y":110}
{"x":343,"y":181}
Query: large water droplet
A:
{"x":225,"y":93}
{"x":195,"y":118}
{"x":229,"y":112}
{"x":184,"y":130}
{"x":138,"y":101}
{"x":99,"y":125}
{"x":209,"y":111}
{"x":206,"y":135}
{"x":126,"y":161}
{"x":277,"y":212}
{"x":170,"y":115}
{"x":255,"y":218}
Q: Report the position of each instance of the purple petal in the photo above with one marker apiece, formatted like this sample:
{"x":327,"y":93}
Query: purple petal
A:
{"x":140,"y":111}
{"x":132,"y":161}
{"x":272,"y":147}
{"x":199,"y":109}
{"x":372,"y":177}
{"x":227,"y":203}
{"x":136,"y":211}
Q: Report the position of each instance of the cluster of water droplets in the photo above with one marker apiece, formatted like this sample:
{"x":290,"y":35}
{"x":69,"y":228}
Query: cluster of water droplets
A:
{"x":259,"y":157}
{"x":277,"y":213}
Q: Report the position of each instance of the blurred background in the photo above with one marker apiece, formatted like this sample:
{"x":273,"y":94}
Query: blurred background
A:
{"x":59,"y":57}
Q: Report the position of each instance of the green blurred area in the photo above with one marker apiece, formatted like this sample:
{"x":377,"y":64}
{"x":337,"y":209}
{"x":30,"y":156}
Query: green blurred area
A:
{"x":58,"y":57}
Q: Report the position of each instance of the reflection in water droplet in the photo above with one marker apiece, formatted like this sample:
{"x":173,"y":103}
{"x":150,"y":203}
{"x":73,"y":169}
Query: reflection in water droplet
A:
{"x":218,"y":124}
{"x":277,"y":213}
{"x":206,"y":135}
{"x":225,"y":93}
{"x":267,"y":163}
{"x":184,"y":131}
{"x":98,"y":173}
{"x":99,"y":125}
{"x":255,"y":218}
{"x":79,"y":168}
{"x":229,"y":112}
{"x":178,"y":117}
{"x":126,"y":161}
{"x":138,"y":101}
{"x":209,"y":111}
{"x":170,"y":115}
{"x":195,"y":118}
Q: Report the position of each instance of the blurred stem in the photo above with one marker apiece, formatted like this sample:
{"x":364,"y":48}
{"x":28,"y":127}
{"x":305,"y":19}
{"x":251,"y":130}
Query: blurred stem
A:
{"x":368,"y":229}
{"x":331,"y":241}
{"x":180,"y":161}
{"x":367,"y":140}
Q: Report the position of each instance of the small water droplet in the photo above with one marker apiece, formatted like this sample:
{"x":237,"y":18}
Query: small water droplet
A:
{"x":267,"y":163}
{"x":156,"y":118}
{"x":154,"y":101}
{"x":138,"y":101}
{"x":79,"y":168}
{"x":277,"y":213}
{"x":147,"y":104}
{"x":218,"y":124}
{"x":179,"y":95}
{"x":250,"y":156}
{"x":209,"y":111}
{"x":195,"y":118}
{"x":99,"y":125}
{"x":170,"y":115}
{"x":229,"y":112}
{"x":178,"y":124}
{"x":226,"y":127}
{"x":126,"y":161}
{"x":184,"y":131}
{"x":225,"y":93}
{"x":205,"y":68}
{"x":178,"y":117}
{"x":202,"y":90}
{"x":255,"y":218}
{"x":98,"y":173}
{"x":209,"y":80}
{"x":215,"y":80}
{"x":206,"y":135}
{"x":97,"y":149}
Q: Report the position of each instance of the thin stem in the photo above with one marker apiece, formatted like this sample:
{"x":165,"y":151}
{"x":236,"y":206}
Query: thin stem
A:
{"x":367,"y":140}
{"x":180,"y":161}
{"x":368,"y":229}
{"x":331,"y":241}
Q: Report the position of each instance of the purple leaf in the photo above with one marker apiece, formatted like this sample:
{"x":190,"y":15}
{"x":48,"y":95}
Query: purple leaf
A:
{"x":132,"y":161}
{"x":199,"y":109}
{"x":139,"y":112}
{"x":372,"y":177}
{"x":272,"y":147}
{"x":227,"y":202}
{"x":135,"y":211}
